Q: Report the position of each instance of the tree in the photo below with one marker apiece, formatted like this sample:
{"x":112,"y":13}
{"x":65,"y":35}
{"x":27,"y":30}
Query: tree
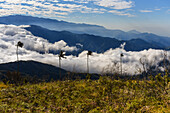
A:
{"x":121,"y":55}
{"x":61,"y":55}
{"x":19,"y":44}
{"x":89,"y":53}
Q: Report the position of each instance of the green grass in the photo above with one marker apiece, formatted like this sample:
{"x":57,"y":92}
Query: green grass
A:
{"x":104,"y":95}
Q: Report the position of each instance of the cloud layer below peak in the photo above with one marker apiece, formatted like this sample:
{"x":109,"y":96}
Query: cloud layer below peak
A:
{"x":107,"y":62}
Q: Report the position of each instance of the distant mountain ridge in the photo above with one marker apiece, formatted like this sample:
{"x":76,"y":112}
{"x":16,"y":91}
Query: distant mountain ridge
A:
{"x":97,"y":30}
{"x":90,"y":42}
{"x":47,"y":23}
{"x":134,"y":31}
{"x":56,"y":25}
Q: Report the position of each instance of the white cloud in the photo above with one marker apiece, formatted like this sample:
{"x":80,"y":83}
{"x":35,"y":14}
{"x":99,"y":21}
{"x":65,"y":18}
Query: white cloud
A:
{"x":12,"y":34}
{"x":146,"y":11}
{"x":121,"y":13}
{"x":58,"y":8}
{"x":30,"y":7}
{"x":115,"y":4}
{"x":61,"y":16}
{"x":157,"y":9}
{"x":99,"y":63}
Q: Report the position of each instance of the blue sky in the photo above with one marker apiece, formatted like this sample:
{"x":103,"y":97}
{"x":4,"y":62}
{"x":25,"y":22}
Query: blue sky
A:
{"x":143,"y":15}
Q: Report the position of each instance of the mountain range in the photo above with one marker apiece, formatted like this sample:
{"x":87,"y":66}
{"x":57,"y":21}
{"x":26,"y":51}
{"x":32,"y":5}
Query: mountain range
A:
{"x":92,"y":37}
{"x":77,"y":28}
{"x":90,"y":42}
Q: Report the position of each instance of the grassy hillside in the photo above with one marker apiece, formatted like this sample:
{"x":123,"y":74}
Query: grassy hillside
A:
{"x":94,"y":96}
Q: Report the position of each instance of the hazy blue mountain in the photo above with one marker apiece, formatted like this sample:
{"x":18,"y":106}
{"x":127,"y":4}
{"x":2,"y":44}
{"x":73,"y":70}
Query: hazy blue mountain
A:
{"x":90,"y":42}
{"x":154,"y":39}
{"x":49,"y":23}
{"x":2,"y":23}
{"x":56,"y":25}
{"x":134,"y":32}
{"x":135,"y":44}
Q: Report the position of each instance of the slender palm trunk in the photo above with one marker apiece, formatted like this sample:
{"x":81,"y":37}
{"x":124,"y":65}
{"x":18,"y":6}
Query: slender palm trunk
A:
{"x":17,"y":61}
{"x":87,"y":63}
{"x":60,"y":67}
{"x":121,"y":66}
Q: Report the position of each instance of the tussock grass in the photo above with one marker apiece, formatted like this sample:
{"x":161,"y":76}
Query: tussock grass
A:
{"x":94,"y":96}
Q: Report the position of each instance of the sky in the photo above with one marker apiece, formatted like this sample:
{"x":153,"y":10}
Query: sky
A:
{"x":142,"y":15}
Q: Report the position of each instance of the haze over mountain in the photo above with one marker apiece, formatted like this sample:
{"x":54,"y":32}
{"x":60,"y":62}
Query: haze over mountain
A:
{"x":90,"y":42}
{"x":56,"y":25}
{"x":134,"y":32}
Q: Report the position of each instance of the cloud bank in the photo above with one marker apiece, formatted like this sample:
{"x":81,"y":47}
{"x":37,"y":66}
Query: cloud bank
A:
{"x":62,"y":8}
{"x":146,"y":11}
{"x":108,"y":61}
{"x":12,"y":34}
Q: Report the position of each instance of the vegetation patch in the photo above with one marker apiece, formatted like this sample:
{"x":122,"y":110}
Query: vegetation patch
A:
{"x":94,"y":96}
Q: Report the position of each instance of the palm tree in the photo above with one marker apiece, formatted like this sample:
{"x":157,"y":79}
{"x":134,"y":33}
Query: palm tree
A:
{"x":19,"y":44}
{"x":121,"y":55}
{"x":61,"y":55}
{"x":89,"y":53}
